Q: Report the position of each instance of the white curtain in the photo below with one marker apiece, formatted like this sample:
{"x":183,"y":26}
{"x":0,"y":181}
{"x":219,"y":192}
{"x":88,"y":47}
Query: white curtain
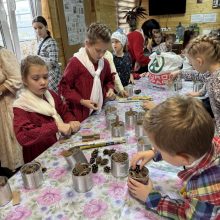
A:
{"x":4,"y":28}
{"x":13,"y":26}
{"x":35,"y":6}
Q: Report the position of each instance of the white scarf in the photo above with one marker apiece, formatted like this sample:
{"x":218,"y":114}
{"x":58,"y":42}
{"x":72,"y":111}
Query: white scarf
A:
{"x":96,"y":94}
{"x":29,"y":102}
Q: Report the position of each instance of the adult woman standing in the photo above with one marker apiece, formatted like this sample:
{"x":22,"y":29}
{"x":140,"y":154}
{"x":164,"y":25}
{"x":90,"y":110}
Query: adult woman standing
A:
{"x":48,"y":51}
{"x":10,"y":82}
{"x":136,"y":41}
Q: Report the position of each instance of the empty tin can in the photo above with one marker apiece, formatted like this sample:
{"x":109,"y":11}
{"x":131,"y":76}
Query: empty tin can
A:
{"x":177,"y":84}
{"x":5,"y":191}
{"x":129,"y":89}
{"x":75,"y":156}
{"x":110,"y":110}
{"x":130,"y":118}
{"x":110,"y":119}
{"x":139,"y":129}
{"x":197,"y":86}
{"x":143,"y":144}
{"x":140,"y":115}
{"x":118,"y":128}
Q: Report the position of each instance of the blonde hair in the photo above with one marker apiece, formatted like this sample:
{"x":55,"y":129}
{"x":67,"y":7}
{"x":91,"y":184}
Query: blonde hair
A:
{"x":98,"y":31}
{"x":29,"y":61}
{"x":170,"y":36}
{"x":207,"y":46}
{"x":181,"y":125}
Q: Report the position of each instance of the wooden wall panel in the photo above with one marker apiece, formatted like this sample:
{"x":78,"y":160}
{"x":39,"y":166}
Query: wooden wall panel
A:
{"x":191,"y":8}
{"x":95,"y":11}
{"x":106,"y":13}
{"x":50,"y":13}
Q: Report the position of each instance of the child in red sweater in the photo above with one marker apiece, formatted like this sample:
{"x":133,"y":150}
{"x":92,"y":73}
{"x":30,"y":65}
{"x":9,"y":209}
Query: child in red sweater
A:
{"x":87,"y":79}
{"x":40,"y":116}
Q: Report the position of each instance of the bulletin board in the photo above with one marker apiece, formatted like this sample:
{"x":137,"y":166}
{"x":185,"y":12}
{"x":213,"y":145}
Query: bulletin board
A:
{"x":75,"y":21}
{"x":71,"y":12}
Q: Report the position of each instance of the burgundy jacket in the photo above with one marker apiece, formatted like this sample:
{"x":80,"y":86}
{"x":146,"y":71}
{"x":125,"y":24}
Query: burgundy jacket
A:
{"x":77,"y":83}
{"x":36,"y":132}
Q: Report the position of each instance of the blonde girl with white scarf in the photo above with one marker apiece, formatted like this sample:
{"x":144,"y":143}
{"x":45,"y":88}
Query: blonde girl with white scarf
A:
{"x":40,"y":116}
{"x":87,"y":79}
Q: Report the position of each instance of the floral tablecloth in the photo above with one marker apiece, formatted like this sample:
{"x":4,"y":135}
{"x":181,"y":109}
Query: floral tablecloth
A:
{"x":109,"y":197}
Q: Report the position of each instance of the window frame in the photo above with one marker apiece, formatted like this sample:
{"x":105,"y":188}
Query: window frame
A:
{"x":121,"y":7}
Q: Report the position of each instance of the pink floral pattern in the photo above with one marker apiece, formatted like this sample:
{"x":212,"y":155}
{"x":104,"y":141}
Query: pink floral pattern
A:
{"x":117,"y":147}
{"x":19,"y":213}
{"x":57,"y":173}
{"x":132,"y":152}
{"x":132,"y":140}
{"x":143,"y":215}
{"x":98,"y":179}
{"x":95,"y":208}
{"x":109,"y":197}
{"x":117,"y":190}
{"x":49,"y":196}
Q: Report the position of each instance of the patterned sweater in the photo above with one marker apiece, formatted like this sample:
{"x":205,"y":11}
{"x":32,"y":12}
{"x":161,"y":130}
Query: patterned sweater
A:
{"x":123,"y":66}
{"x":161,"y":48}
{"x":49,"y":53}
{"x":212,"y":82}
{"x":201,"y":192}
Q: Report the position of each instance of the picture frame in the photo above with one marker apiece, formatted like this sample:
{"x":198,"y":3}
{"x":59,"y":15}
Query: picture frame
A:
{"x":216,"y":4}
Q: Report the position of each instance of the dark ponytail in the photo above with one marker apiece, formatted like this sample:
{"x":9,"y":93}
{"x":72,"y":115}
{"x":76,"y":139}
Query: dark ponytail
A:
{"x":43,"y":21}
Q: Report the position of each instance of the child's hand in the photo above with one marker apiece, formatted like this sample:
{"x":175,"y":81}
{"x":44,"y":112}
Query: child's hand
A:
{"x":139,"y":190}
{"x":75,"y":125}
{"x":145,"y":74}
{"x":143,"y":156}
{"x":64,"y":128}
{"x":148,"y":105}
{"x":89,"y":104}
{"x":110,"y":94}
{"x":193,"y":94}
{"x":131,"y":80}
{"x":124,"y":93}
{"x":174,"y":75}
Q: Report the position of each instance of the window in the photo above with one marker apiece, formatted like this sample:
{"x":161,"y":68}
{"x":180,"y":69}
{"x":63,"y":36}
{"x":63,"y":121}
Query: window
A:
{"x":24,"y":21}
{"x":1,"y":39}
{"x":123,"y":6}
{"x":19,"y":25}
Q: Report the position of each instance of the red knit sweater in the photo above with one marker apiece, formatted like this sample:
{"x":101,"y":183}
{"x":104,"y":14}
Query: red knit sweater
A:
{"x":77,"y":83}
{"x":36,"y":132}
{"x":136,"y":48}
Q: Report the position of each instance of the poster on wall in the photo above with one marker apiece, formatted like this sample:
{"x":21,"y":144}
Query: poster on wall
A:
{"x":216,"y":4}
{"x":75,"y":21}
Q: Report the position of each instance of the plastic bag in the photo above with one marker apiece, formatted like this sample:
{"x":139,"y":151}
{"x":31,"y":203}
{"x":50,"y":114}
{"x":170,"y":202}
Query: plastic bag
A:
{"x":161,"y":65}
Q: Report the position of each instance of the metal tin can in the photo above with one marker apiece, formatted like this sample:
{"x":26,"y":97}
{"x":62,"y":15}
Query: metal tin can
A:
{"x":5,"y":191}
{"x":119,"y":168}
{"x":32,"y":175}
{"x":83,"y":183}
{"x":143,"y":144}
